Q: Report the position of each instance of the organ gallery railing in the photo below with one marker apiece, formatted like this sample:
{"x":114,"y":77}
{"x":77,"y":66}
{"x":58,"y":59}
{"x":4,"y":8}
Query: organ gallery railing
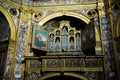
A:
{"x":64,"y":63}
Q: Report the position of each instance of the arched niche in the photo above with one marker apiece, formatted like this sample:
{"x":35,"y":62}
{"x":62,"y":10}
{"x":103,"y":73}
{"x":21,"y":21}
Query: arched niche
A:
{"x":81,"y":17}
{"x":49,"y":75}
{"x":10,"y":21}
{"x":64,"y":13}
{"x":8,"y":37}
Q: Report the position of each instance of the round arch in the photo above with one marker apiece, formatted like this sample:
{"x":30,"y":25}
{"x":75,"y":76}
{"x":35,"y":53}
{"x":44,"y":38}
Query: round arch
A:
{"x":117,"y":27}
{"x":49,"y":75}
{"x":76,"y":75}
{"x":64,"y":13}
{"x":10,"y":21}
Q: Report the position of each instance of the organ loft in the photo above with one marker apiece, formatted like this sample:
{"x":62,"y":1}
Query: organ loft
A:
{"x":59,"y":39}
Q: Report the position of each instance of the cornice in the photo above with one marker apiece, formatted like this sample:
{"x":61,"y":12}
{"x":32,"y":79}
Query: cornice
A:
{"x":58,"y":7}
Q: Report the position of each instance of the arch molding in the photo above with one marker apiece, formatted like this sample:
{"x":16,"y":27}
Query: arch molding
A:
{"x":49,"y":75}
{"x":64,"y":13}
{"x":10,"y":21}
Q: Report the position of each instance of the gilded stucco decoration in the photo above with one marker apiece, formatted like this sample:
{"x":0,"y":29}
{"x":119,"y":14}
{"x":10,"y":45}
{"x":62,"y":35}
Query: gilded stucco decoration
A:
{"x":64,"y":13}
{"x":59,"y":2}
{"x":37,"y":16}
{"x":79,"y":76}
{"x":10,"y":53}
{"x":25,"y":14}
{"x":17,"y":1}
{"x":93,"y":14}
{"x":28,"y":19}
{"x":50,"y":12}
{"x":13,"y":11}
{"x":11,"y":23}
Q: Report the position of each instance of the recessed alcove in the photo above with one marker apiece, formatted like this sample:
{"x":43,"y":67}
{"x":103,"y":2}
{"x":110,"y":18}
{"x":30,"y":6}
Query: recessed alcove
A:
{"x":72,"y":24}
{"x":4,"y":42}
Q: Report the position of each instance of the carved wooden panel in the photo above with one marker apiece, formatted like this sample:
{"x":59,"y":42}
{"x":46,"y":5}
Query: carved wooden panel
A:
{"x":33,"y":65}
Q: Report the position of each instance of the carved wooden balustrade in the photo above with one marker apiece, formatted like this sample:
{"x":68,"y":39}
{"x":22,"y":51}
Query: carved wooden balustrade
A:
{"x":64,"y":63}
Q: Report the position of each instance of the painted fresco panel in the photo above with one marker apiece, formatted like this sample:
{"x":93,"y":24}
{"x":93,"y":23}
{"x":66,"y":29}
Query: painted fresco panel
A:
{"x":39,"y":39}
{"x":88,"y":36}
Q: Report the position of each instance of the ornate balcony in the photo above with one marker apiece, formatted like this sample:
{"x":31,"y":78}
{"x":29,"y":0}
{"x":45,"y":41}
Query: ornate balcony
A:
{"x":64,"y":63}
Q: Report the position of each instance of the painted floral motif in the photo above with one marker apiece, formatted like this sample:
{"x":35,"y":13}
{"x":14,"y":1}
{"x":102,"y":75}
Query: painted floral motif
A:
{"x":32,"y":75}
{"x":94,"y":75}
{"x":82,"y":11}
{"x":5,"y":5}
{"x":60,"y":2}
{"x":8,"y":65}
{"x":24,"y":25}
{"x":18,"y":71}
{"x":22,"y":37}
{"x":52,"y":2}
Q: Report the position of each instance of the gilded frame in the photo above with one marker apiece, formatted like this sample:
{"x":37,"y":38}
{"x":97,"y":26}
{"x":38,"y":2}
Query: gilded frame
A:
{"x":88,"y":36}
{"x":39,"y":39}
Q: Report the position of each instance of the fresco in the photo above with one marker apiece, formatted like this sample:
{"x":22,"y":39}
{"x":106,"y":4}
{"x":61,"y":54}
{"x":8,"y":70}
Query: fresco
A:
{"x":20,"y":50}
{"x":52,"y":2}
{"x":32,"y":75}
{"x":18,"y":71}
